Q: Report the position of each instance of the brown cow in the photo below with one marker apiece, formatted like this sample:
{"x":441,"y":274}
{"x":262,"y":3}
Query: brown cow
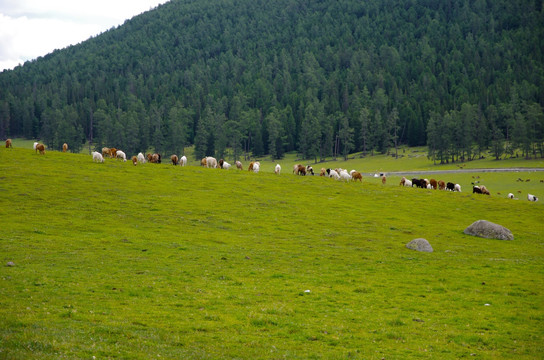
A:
{"x":250,"y":167}
{"x":239,"y":165}
{"x":8,"y":144}
{"x":64,"y":147}
{"x":441,"y":185}
{"x":155,"y":158}
{"x":384,"y":179}
{"x":356,"y":176}
{"x":134,"y":160}
{"x":323,"y":172}
{"x":204,"y":162}
{"x":40,"y":148}
{"x":105,"y":151}
{"x":149,"y":157}
{"x":113,"y":153}
{"x":301,"y":170}
{"x":174,"y":159}
{"x":434,"y":184}
{"x":295,"y":168}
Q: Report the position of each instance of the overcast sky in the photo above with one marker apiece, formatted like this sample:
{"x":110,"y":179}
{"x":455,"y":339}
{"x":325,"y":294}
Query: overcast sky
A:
{"x":33,"y":28}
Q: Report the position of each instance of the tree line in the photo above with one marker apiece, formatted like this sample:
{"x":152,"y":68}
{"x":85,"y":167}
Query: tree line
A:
{"x":323,"y":78}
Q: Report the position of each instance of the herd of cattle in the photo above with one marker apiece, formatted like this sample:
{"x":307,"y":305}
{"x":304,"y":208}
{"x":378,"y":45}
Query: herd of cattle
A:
{"x":298,"y":169}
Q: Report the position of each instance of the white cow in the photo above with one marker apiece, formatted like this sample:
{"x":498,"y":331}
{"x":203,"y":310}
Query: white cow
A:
{"x":211,"y":162}
{"x":226,"y":165}
{"x":98,"y":157}
{"x":183,"y":161}
{"x":120,"y":154}
{"x":256,"y":167}
{"x":277,"y":169}
{"x":141,"y":158}
{"x":531,"y":197}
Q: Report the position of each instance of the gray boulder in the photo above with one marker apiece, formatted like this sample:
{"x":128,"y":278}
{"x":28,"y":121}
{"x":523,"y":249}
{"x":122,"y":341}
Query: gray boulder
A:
{"x":420,"y":244}
{"x":489,"y":230}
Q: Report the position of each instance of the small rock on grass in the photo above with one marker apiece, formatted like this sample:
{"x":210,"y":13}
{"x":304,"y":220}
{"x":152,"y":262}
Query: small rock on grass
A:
{"x":420,"y":244}
{"x":10,"y":263}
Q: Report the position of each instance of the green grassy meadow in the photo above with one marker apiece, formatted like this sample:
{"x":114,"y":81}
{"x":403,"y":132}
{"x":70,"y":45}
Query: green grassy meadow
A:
{"x":154,"y":261}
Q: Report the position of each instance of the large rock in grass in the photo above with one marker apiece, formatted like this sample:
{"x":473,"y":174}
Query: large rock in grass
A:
{"x":489,"y":230}
{"x":420,"y":244}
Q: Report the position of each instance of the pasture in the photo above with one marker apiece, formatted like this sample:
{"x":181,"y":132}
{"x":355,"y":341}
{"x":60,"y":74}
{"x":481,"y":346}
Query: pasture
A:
{"x":110,"y":260}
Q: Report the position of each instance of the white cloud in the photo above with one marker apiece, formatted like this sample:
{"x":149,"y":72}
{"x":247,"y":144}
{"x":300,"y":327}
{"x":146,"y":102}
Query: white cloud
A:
{"x":33,"y":28}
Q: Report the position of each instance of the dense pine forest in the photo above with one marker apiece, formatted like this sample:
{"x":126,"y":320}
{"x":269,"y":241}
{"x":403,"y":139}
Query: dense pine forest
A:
{"x":323,"y":78}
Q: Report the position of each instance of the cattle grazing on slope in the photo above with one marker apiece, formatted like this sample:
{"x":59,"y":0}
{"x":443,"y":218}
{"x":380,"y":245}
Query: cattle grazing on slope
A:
{"x":531,"y":197}
{"x":434,"y":184}
{"x":226,"y":165}
{"x":384,"y":180}
{"x":239,"y":165}
{"x":309,"y":170}
{"x":134,"y":160}
{"x":510,"y":196}
{"x":105,"y":151}
{"x":357,"y":176}
{"x":174,"y":159}
{"x":457,"y":188}
{"x":441,"y":185}
{"x":211,"y":162}
{"x":113,"y":153}
{"x":333,"y":174}
{"x":183,"y":161}
{"x":97,"y":157}
{"x":34,"y":146}
{"x":64,"y":147}
{"x":40,"y":148}
{"x":9,"y":144}
{"x":277,"y":169}
{"x":301,"y":170}
{"x":450,"y":186}
{"x":121,"y":155}
{"x":203,"y":162}
{"x":141,"y":158}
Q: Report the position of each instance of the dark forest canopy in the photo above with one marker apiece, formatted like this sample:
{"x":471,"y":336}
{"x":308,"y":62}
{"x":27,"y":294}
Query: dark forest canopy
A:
{"x":317,"y":77}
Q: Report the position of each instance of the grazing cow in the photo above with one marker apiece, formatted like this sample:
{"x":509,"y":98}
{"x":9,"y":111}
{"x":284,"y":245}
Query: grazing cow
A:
{"x":295,"y":168}
{"x":357,"y":176}
{"x":277,"y":169}
{"x":149,"y":157}
{"x":220,"y":163}
{"x":484,"y":190}
{"x":408,"y":183}
{"x":113,"y":153}
{"x":531,"y":197}
{"x":203,"y":162}
{"x":239,"y":165}
{"x":211,"y":162}
{"x":141,"y":158}
{"x":64,"y":147}
{"x":250,"y":167}
{"x":183,"y":161}
{"x":97,"y":157}
{"x":476,"y":190}
{"x":256,"y":167}
{"x":34,"y":146}
{"x":323,"y":172}
{"x":344,"y":175}
{"x":384,"y":179}
{"x":333,"y":174}
{"x":450,"y":186}
{"x":301,"y":170}
{"x":174,"y":159}
{"x":420,"y":183}
{"x":105,"y":151}
{"x":121,"y":155}
{"x":457,"y":187}
{"x":309,"y":170}
{"x":40,"y":148}
{"x":155,"y":158}
{"x":402,"y":181}
{"x":510,"y":196}
{"x":8,"y":144}
{"x":226,"y":165}
{"x":434,"y":184}
{"x":135,"y":160}
{"x":441,"y":185}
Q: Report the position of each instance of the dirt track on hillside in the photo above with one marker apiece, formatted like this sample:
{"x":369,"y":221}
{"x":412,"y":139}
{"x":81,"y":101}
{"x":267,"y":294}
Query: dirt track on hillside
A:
{"x":459,"y":171}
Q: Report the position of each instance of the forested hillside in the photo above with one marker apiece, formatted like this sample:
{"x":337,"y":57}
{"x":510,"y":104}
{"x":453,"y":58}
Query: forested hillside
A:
{"x":271,"y":76}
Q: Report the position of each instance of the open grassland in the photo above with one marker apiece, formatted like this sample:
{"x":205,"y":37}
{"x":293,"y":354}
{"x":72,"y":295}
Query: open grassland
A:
{"x":154,"y":261}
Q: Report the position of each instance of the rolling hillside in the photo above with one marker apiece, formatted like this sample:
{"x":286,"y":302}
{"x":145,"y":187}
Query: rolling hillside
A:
{"x":119,"y":261}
